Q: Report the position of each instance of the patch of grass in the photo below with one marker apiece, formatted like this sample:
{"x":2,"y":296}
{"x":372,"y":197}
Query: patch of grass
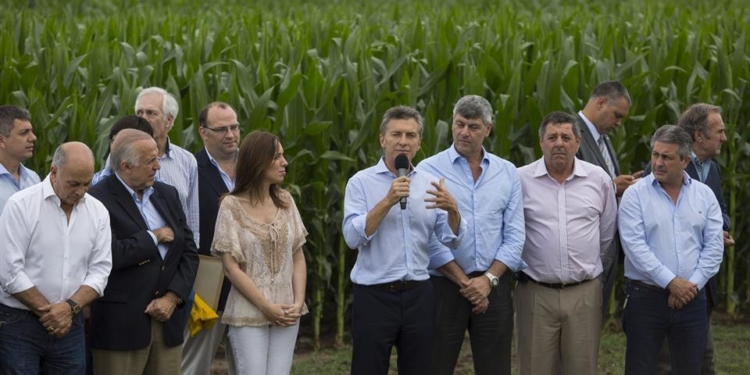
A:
{"x":732,"y":342}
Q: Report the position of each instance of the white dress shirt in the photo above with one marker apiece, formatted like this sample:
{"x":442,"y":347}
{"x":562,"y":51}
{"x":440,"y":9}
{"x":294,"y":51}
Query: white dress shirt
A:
{"x":41,"y":247}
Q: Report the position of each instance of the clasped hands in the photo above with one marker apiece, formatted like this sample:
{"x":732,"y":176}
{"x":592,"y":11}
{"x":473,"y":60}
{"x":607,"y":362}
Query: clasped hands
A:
{"x":681,"y":292}
{"x":280,"y":314}
{"x":57,"y":318}
{"x":477,"y":291}
{"x":161,"y":308}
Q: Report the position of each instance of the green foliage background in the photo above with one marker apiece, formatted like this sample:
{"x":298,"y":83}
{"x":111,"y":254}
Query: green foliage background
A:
{"x":321,"y":73}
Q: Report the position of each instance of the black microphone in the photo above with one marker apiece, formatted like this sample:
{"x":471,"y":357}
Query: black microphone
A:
{"x":402,"y":166}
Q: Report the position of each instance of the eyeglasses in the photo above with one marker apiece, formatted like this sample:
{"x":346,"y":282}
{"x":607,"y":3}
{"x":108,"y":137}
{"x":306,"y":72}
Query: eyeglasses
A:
{"x":224,"y":129}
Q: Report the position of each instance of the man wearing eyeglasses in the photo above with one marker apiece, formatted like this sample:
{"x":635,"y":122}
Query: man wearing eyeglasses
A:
{"x":220,"y":132}
{"x":178,"y":166}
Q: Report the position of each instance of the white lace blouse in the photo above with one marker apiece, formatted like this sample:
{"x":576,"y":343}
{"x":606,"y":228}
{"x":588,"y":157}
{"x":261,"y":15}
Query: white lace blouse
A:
{"x":263,"y":251}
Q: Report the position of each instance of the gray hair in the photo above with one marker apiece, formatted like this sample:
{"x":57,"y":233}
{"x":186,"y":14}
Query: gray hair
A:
{"x":558,"y":117}
{"x":612,"y":90}
{"x":401,"y":113}
{"x":123,"y":148}
{"x":695,"y":118}
{"x":473,"y":107}
{"x":168,"y":105}
{"x":10,"y":113}
{"x":675,"y":135}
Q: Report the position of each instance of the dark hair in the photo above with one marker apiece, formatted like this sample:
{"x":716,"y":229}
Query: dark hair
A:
{"x":559,"y":118}
{"x":612,"y":90}
{"x":203,"y":116}
{"x":256,"y":154}
{"x":696,"y":118}
{"x":674,"y":135}
{"x":129,"y":122}
{"x":401,"y":113}
{"x":10,"y":113}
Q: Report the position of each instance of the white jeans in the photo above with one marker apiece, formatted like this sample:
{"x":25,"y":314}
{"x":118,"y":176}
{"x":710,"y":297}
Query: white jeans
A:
{"x":263,"y":350}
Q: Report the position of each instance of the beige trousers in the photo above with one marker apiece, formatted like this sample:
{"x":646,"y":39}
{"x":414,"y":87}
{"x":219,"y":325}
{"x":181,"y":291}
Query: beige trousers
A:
{"x":155,"y":359}
{"x":558,"y":325}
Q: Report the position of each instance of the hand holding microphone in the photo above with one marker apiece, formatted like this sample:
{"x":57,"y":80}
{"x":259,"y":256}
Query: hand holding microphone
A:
{"x":402,"y":167}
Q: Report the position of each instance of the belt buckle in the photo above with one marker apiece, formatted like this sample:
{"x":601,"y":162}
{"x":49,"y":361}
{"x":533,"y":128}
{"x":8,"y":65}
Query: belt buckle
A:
{"x":392,"y":287}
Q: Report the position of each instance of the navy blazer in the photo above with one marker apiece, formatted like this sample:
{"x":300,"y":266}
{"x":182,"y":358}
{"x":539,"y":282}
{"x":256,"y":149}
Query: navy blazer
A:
{"x":139,"y":274}
{"x":211,"y":188}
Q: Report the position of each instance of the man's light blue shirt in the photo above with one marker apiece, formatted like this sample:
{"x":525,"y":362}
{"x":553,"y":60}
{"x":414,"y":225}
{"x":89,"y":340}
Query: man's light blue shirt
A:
{"x":398,"y":250}
{"x":663,"y":240}
{"x":228,"y":182}
{"x":9,"y":185}
{"x":492,"y":207}
{"x":150,"y":215}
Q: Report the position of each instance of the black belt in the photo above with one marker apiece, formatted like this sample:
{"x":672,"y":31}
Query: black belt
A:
{"x":476,"y":273}
{"x":524,"y":277}
{"x":655,"y":288}
{"x":399,"y":285}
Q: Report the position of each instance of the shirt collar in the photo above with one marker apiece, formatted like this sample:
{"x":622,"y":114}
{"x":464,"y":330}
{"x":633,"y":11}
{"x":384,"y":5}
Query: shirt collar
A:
{"x":168,"y":149}
{"x":146,"y":192}
{"x":695,"y":158}
{"x":48,"y":192}
{"x":686,"y":179}
{"x":594,"y":131}
{"x":214,"y":162}
{"x":541,"y":169}
{"x":454,"y":155}
{"x":381,"y":168}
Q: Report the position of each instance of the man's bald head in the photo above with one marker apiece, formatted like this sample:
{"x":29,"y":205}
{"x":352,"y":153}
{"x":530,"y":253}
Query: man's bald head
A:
{"x":71,"y":172}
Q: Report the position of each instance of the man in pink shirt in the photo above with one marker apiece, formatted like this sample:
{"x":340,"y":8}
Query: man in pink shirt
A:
{"x":570,"y":214}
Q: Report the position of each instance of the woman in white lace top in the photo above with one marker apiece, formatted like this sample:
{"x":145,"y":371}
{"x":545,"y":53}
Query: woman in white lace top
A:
{"x":259,"y":237}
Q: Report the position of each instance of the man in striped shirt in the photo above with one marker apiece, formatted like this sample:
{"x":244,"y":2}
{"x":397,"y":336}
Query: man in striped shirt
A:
{"x":178,"y":166}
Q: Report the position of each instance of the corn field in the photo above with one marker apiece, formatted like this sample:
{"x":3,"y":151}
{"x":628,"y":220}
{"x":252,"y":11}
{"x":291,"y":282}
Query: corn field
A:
{"x":321,"y":74}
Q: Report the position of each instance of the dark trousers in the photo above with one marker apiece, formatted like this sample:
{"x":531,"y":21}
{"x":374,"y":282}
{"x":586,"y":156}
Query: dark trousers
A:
{"x":648,"y":320}
{"x":27,"y":348}
{"x":491,"y":333}
{"x":383,"y":319}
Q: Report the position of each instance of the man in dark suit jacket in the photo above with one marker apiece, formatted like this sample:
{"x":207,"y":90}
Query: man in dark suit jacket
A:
{"x":705,"y":125}
{"x":220,"y":132}
{"x":608,"y":104}
{"x":135,"y":328}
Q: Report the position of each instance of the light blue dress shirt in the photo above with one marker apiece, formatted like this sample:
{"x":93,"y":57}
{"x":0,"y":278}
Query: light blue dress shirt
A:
{"x":228,"y":182}
{"x":663,"y":240}
{"x":150,"y":215}
{"x":492,"y":207}
{"x":398,"y":250}
{"x":9,"y":185}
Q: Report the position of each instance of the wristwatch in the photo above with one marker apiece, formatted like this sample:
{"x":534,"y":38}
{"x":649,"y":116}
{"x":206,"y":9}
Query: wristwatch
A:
{"x":494,"y":281}
{"x":74,"y":307}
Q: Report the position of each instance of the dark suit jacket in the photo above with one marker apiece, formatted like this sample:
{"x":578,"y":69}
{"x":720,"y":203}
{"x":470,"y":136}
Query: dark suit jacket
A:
{"x":210,"y":189}
{"x":713,"y":180}
{"x":589,"y":150}
{"x":139,"y":274}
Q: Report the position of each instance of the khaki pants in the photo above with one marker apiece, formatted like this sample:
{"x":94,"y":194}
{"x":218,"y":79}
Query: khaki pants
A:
{"x":155,"y":359}
{"x":558,"y":324}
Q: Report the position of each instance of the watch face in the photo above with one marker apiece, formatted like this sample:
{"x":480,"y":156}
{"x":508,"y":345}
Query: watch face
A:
{"x":495,"y":282}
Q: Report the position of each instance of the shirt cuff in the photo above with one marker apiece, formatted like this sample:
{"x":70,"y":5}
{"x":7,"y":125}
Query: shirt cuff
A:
{"x":514,"y":263}
{"x":153,"y":237}
{"x":440,"y":259}
{"x":697,"y":278}
{"x":19,"y":284}
{"x":664,"y":277}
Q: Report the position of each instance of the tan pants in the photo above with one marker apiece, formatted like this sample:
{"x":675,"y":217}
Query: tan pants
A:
{"x":558,"y":324}
{"x":155,"y":359}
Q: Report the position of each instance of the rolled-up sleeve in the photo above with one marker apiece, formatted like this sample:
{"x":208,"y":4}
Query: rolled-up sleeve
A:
{"x":15,"y":235}
{"x":100,"y":261}
{"x":355,"y":215}
{"x":514,"y":229}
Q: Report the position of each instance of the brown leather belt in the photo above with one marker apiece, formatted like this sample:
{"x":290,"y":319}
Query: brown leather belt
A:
{"x":555,"y":285}
{"x":398,"y":286}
